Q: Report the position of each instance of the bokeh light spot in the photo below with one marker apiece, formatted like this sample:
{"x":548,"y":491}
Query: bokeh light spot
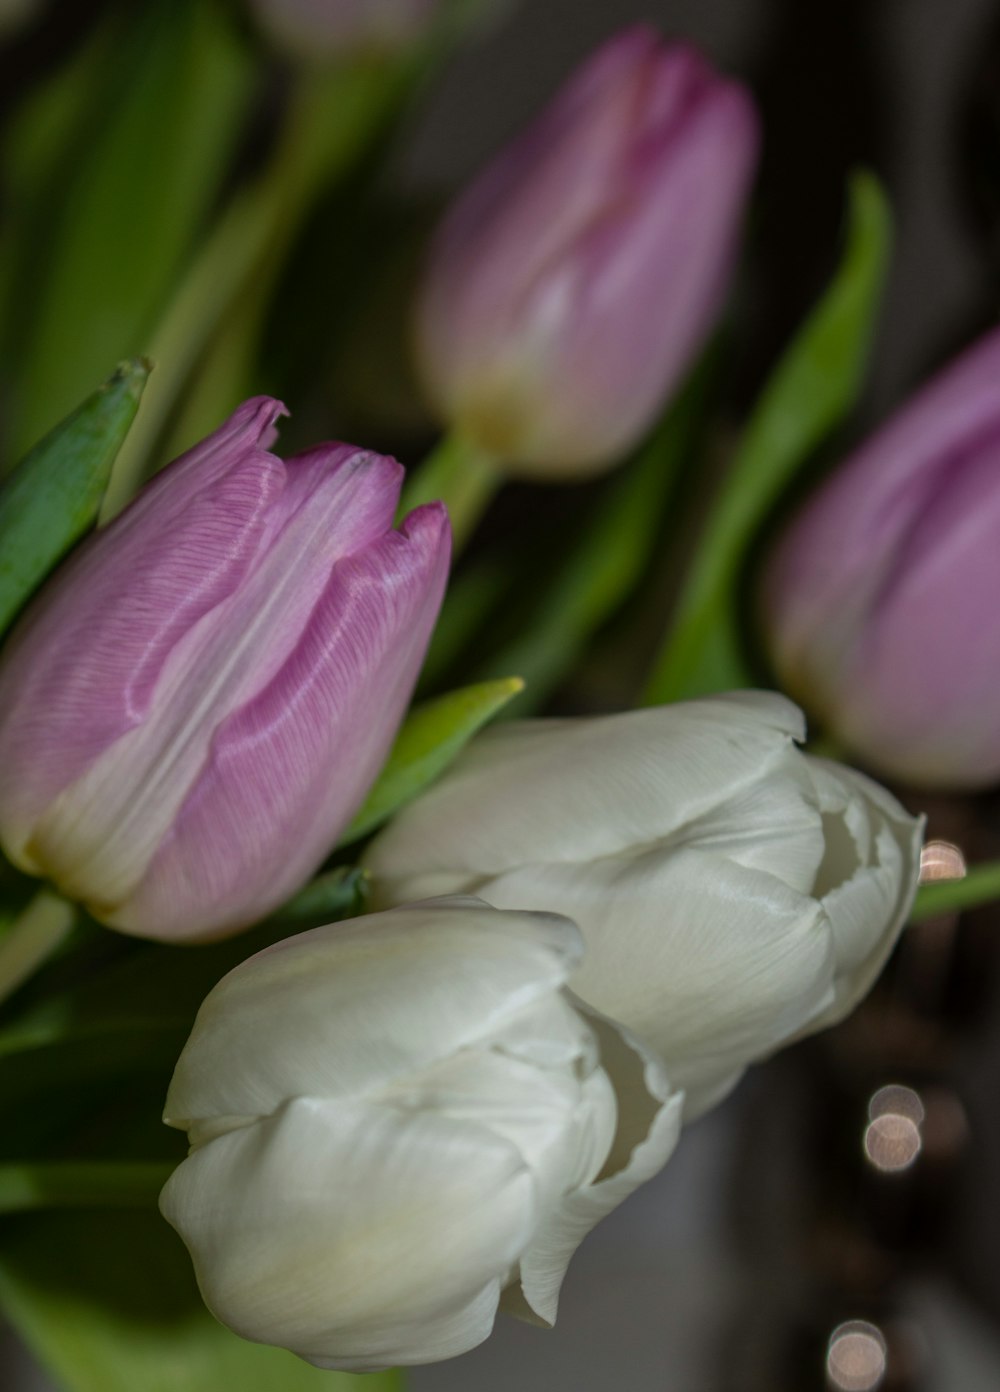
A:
{"x":941,"y":860}
{"x":856,"y":1357}
{"x":892,"y":1142}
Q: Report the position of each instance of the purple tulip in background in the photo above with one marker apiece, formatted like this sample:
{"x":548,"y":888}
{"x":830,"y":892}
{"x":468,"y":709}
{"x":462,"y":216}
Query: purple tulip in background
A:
{"x":880,"y":605}
{"x":570,"y":286}
{"x":323,"y":29}
{"x":196,"y":704}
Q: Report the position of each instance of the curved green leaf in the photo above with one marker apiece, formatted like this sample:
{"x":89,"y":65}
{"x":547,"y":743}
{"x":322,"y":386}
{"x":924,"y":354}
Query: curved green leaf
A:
{"x":813,"y":387}
{"x":107,"y":1301}
{"x":432,"y":735}
{"x":52,"y":498}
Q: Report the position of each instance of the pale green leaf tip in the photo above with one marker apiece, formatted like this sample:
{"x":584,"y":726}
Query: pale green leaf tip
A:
{"x":133,"y":374}
{"x":869,"y":197}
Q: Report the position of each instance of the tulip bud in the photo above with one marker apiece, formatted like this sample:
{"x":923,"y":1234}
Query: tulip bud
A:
{"x":395,"y":1120}
{"x":571,"y":285}
{"x":321,"y":30}
{"x":197,"y":702}
{"x":732,"y":893}
{"x":878,"y":603}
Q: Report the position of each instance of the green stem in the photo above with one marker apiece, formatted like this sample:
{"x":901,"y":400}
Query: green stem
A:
{"x":462,"y":476}
{"x":331,"y":118}
{"x":28,"y":1185}
{"x":32,"y":938}
{"x":981,"y":885}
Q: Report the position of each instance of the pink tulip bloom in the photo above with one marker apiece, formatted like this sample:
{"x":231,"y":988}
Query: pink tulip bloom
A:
{"x":571,"y":285}
{"x":880,"y":602}
{"x":197,"y":702}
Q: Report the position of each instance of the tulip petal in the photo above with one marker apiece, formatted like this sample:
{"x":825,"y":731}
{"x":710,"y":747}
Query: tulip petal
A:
{"x":81,"y":668}
{"x":560,"y":1116}
{"x":710,"y":963}
{"x":872,"y":881}
{"x":299,"y":757}
{"x":629,"y":780}
{"x":573,"y":282}
{"x":874,"y":599}
{"x":356,"y":1005}
{"x":649,"y":1125}
{"x":359,"y":1236}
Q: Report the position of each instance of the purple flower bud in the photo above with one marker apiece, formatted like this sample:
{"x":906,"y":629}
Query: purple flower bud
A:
{"x":196,"y":704}
{"x":323,"y":29}
{"x":570,"y":286}
{"x":880,"y":603}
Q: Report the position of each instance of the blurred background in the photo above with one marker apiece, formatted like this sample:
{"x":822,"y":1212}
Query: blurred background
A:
{"x":835,"y":1224}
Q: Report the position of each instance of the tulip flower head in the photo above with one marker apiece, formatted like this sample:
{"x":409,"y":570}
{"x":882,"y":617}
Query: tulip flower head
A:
{"x":398,"y":1122}
{"x":878,"y":602}
{"x":571,"y":285}
{"x":318,"y":30}
{"x":733,"y":894}
{"x":197,"y":702}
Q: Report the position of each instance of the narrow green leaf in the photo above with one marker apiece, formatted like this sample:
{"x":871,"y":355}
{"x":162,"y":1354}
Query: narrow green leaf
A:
{"x":814,"y":386}
{"x":53,"y":496}
{"x":30,"y":1185}
{"x":980,"y":885}
{"x":472,"y":597}
{"x":107,"y":1301}
{"x":146,"y":170}
{"x":432,"y":736}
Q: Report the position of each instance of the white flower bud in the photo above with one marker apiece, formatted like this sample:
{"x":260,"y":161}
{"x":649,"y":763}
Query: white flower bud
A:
{"x":732,"y":892}
{"x":394,"y":1122}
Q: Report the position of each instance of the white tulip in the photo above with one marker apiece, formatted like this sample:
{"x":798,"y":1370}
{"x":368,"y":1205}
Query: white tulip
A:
{"x":732,"y":892}
{"x":398,"y":1122}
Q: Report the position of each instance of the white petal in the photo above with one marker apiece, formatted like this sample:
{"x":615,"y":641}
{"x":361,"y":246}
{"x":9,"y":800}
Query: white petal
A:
{"x":574,"y":790}
{"x":712,"y":964}
{"x":345,"y":1009}
{"x":358,"y":1236}
{"x":648,"y":1129}
{"x":868,"y":879}
{"x":560,"y":1115}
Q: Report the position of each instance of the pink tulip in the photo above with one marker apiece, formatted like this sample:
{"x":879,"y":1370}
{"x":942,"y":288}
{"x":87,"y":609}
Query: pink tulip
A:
{"x":880,"y":603}
{"x":322,"y":29}
{"x":196,"y":704}
{"x":571,"y":285}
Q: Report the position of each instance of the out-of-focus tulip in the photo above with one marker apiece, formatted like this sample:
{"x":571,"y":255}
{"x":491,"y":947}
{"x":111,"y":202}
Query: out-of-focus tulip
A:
{"x":570,"y":286}
{"x":196,"y":703}
{"x":398,"y":1122}
{"x":732,"y":892}
{"x":324,"y":29}
{"x":879,"y":604}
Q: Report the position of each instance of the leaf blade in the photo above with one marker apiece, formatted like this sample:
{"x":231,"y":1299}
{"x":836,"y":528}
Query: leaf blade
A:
{"x":432,"y":735}
{"x":814,"y":385}
{"x":52,"y":498}
{"x":107,"y":1301}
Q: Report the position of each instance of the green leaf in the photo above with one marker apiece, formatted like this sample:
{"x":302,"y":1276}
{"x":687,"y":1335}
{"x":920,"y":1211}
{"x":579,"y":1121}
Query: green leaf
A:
{"x":108,"y":1302}
{"x":607,"y":563}
{"x":433,"y":734}
{"x":814,"y":386}
{"x":472,"y":596}
{"x":52,"y":498}
{"x":145,"y":171}
{"x":159,"y":987}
